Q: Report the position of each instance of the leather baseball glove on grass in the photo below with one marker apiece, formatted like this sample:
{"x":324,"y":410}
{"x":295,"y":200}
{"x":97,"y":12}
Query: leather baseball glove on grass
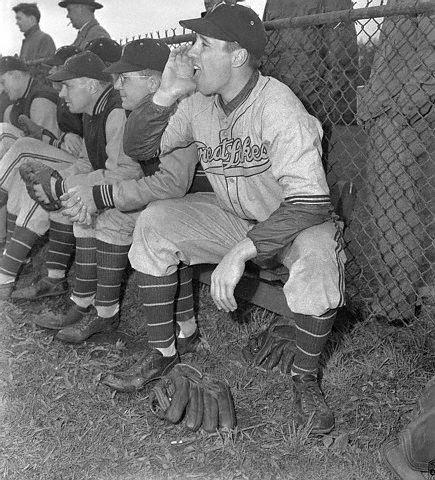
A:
{"x":185,"y":394}
{"x":273,"y":347}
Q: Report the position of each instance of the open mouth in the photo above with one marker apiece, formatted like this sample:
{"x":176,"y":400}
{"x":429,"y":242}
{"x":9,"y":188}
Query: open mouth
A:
{"x":196,"y":70}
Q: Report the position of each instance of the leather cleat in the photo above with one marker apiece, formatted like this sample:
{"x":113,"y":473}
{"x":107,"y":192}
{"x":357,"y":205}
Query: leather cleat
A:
{"x":88,"y":325}
{"x":145,"y":371}
{"x":44,"y":287}
{"x":189,"y":344}
{"x":310,"y":405}
{"x":6,"y":290}
{"x":55,"y":321}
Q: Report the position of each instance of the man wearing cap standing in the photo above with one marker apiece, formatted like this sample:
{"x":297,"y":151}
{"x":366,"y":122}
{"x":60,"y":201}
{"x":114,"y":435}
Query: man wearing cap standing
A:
{"x":261,"y":151}
{"x":82,"y":17}
{"x":42,"y":144}
{"x":86,"y":90}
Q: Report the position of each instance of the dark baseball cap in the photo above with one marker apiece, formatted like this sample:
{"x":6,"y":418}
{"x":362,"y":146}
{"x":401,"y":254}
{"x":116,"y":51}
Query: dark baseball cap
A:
{"x":9,"y":63}
{"x":232,"y":23}
{"x":90,"y":3}
{"x":61,"y":55}
{"x":107,"y":49}
{"x":140,"y":55}
{"x":84,"y":64}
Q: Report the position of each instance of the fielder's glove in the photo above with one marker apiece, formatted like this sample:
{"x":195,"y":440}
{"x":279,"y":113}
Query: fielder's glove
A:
{"x":275,"y":346}
{"x":40,"y":183}
{"x":200,"y":400}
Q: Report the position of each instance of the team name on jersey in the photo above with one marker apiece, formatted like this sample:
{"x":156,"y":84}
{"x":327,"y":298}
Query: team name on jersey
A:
{"x":235,"y":154}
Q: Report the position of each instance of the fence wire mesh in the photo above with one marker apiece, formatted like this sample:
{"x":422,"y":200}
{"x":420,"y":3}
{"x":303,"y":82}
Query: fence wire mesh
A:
{"x":369,"y":76}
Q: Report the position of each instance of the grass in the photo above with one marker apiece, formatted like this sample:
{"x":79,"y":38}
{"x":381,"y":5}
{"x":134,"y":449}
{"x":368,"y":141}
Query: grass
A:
{"x":60,"y":423}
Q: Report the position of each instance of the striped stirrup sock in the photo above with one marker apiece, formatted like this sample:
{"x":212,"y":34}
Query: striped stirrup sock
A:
{"x":10,"y":226}
{"x":16,"y":251}
{"x":312,"y":334}
{"x":61,"y":245}
{"x":85,"y":282}
{"x":184,"y":295}
{"x":111,"y":263}
{"x":156,"y":296}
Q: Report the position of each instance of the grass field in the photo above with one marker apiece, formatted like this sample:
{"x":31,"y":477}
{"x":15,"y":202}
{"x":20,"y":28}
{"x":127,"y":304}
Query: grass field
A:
{"x":60,"y":423}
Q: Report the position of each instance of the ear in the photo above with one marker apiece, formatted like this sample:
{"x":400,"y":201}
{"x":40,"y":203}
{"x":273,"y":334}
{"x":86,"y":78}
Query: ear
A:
{"x":154,"y":83}
{"x":240,"y":57}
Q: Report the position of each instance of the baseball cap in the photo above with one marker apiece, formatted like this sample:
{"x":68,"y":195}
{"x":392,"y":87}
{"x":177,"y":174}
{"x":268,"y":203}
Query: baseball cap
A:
{"x":91,"y":3}
{"x":61,"y":55}
{"x":107,"y":49}
{"x":140,"y":55}
{"x":9,"y":63}
{"x":232,"y":23}
{"x":84,"y":64}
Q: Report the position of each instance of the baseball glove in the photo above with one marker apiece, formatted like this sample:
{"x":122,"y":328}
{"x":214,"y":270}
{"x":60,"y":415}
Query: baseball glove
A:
{"x":275,"y":346}
{"x":36,"y":174}
{"x":30,"y":128}
{"x":200,"y":400}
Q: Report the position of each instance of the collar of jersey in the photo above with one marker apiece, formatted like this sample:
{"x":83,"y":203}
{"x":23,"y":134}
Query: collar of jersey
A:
{"x":102,"y":101}
{"x":229,"y":107}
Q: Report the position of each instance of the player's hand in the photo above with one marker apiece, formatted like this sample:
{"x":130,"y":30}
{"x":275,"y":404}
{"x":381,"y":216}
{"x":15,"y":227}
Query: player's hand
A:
{"x":227,"y":274}
{"x":177,"y":78}
{"x":72,"y":144}
{"x":78,"y":204}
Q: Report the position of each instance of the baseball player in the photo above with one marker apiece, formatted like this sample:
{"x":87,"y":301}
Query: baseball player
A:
{"x":87,"y":90}
{"x":108,"y":238}
{"x":82,"y":17}
{"x":39,"y":143}
{"x":261,"y":151}
{"x":29,"y":97}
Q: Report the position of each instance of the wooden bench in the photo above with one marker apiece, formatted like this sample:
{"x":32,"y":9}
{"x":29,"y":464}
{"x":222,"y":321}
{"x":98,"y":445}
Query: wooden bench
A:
{"x":264,"y":287}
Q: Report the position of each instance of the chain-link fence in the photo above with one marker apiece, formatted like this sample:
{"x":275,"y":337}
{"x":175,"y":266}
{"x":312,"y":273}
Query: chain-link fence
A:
{"x":368,"y":75}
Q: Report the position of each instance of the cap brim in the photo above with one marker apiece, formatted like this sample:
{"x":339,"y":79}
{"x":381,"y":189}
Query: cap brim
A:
{"x":122,"y":66}
{"x":204,"y":27}
{"x":53,"y":62}
{"x":62,"y":75}
{"x":66,"y":3}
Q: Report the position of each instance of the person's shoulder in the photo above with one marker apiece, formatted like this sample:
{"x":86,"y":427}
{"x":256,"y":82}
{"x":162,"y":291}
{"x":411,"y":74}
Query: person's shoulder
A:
{"x":98,"y":31}
{"x":196,"y":103}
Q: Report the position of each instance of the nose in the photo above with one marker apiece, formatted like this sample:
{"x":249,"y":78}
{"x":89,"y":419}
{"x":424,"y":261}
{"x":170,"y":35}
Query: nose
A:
{"x":193,"y":50}
{"x":62,"y":93}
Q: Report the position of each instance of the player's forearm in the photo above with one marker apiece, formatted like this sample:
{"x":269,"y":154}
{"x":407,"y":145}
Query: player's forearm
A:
{"x":282,"y":227}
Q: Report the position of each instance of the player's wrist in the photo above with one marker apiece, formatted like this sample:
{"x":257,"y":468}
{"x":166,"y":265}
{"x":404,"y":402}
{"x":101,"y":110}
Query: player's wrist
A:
{"x":165,"y":98}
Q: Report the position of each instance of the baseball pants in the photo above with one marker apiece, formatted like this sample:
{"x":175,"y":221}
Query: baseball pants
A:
{"x":195,"y":230}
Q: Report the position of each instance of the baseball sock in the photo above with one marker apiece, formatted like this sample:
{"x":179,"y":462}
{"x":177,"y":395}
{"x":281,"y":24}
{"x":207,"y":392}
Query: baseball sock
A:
{"x":156,"y":296}
{"x":311,"y":336}
{"x":184,"y":302}
{"x":111,"y":263}
{"x":10,"y":226}
{"x":60,"y":248}
{"x":85,"y":284}
{"x":16,"y":251}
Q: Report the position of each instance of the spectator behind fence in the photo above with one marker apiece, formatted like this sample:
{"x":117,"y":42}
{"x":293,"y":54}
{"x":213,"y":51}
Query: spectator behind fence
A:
{"x":36,"y":45}
{"x":82,"y":16}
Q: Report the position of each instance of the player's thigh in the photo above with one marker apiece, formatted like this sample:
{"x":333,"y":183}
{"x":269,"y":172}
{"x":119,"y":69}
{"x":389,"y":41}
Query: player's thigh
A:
{"x":116,"y":227}
{"x":193,"y":229}
{"x":315,"y":262}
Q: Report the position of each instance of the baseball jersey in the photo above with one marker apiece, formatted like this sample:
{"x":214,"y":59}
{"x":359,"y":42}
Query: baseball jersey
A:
{"x":266,"y":151}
